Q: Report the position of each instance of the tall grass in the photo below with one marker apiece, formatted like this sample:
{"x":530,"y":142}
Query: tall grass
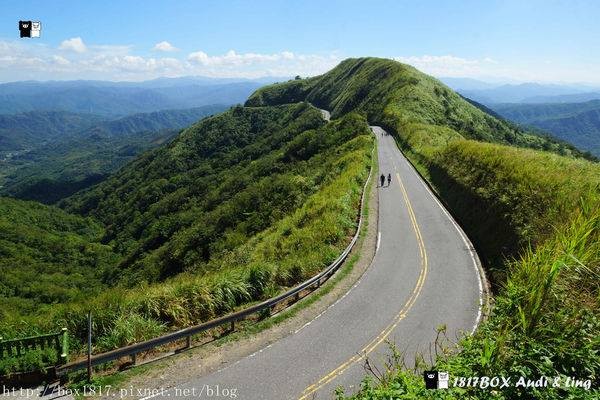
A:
{"x":532,"y":211}
{"x":289,"y":251}
{"x":545,"y":323}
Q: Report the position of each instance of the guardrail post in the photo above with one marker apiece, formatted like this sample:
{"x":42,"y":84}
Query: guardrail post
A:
{"x":188,"y":342}
{"x":65,"y":346}
{"x":89,"y":348}
{"x":134,"y":358}
{"x":232,"y":327}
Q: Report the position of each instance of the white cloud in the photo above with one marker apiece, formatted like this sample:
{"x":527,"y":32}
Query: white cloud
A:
{"x":74,"y":59}
{"x":450,"y":66}
{"x":285,"y":63}
{"x":74,"y":44}
{"x":60,"y":60}
{"x":34,"y":60}
{"x":164,"y":46}
{"x":232,"y":58}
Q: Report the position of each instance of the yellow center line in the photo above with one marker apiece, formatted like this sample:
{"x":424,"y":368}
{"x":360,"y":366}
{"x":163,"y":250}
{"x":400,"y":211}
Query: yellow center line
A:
{"x":399,"y":317}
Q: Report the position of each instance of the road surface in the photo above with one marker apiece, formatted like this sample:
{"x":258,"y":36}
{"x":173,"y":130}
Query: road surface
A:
{"x":423,"y":275}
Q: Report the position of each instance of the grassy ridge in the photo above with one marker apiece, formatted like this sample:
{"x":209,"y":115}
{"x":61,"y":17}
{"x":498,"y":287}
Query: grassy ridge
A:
{"x":265,"y":243}
{"x":532,"y":214}
{"x":403,"y":99}
{"x":509,"y":198}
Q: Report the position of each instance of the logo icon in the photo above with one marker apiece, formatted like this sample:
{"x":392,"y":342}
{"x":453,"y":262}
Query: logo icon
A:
{"x":443,"y":378}
{"x":436,"y":379}
{"x":431,"y":379}
{"x":36,"y":27}
{"x":30,"y":29}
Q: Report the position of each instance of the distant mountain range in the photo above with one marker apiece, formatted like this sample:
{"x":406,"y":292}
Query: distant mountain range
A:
{"x":493,"y":93}
{"x":33,"y":128}
{"x":526,"y":93}
{"x":73,"y":151}
{"x":568,"y":112}
{"x":577,"y":123}
{"x":113,"y":99}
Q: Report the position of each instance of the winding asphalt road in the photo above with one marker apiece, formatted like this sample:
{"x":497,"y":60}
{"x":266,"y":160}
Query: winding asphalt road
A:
{"x":424,"y":275}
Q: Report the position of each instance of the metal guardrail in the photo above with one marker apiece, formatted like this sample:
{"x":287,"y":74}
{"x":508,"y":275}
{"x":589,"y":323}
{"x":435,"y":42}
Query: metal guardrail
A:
{"x":132,"y":350}
{"x":20,"y":347}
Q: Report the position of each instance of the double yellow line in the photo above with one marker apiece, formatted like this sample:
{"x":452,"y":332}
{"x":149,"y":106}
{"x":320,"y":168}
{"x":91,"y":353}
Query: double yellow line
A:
{"x":399,"y":317}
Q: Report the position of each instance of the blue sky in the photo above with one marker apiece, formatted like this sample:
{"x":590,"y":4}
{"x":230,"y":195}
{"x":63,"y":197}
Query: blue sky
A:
{"x":546,"y":41}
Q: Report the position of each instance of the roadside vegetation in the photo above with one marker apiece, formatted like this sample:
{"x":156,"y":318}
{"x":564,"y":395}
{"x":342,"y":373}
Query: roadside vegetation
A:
{"x":531,"y":205}
{"x":237,"y":208}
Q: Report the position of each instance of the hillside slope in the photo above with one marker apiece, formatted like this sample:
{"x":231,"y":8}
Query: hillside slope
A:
{"x":236,"y":208}
{"x":576,"y":123}
{"x":533,"y":216}
{"x":25,"y":130}
{"x":80,"y":158}
{"x":48,"y":256}
{"x":397,"y":95}
{"x":174,"y":208}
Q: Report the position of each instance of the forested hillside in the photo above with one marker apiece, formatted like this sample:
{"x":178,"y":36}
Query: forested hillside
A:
{"x":222,"y":181}
{"x":533,"y":216}
{"x":24,"y":130}
{"x":56,"y":166}
{"x":236,"y":208}
{"x":577,"y":123}
{"x":47,"y":256}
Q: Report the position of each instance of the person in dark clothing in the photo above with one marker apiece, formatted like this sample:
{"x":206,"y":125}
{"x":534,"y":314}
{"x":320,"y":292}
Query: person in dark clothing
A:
{"x":382,"y":179}
{"x":389,"y":179}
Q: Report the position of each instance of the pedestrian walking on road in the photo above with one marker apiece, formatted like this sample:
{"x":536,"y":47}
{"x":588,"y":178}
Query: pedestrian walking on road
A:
{"x":389,"y":179}
{"x":382,"y":179}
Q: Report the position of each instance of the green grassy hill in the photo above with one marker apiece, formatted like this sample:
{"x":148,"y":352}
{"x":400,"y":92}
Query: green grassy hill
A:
{"x":400,"y":97}
{"x":529,"y":203}
{"x":238,"y":207}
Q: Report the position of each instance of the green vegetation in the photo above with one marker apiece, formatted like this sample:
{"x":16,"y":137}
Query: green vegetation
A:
{"x":235,"y":209}
{"x":246,"y":203}
{"x":401,"y":98}
{"x":533,"y":215}
{"x":47,"y":257}
{"x":24,"y":130}
{"x":577,"y":123}
{"x":32,"y":360}
{"x":65,"y":157}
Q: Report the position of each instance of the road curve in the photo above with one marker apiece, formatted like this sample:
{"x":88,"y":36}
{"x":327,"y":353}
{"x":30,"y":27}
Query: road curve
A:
{"x":423,"y":275}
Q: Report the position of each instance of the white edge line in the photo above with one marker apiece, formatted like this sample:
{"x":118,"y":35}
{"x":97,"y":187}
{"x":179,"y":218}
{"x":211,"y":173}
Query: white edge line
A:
{"x":467,"y":243}
{"x":295,"y":332}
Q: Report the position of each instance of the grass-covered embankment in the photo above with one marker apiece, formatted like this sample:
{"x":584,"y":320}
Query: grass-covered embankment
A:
{"x":546,"y":317}
{"x":529,"y":203}
{"x":236,"y":209}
